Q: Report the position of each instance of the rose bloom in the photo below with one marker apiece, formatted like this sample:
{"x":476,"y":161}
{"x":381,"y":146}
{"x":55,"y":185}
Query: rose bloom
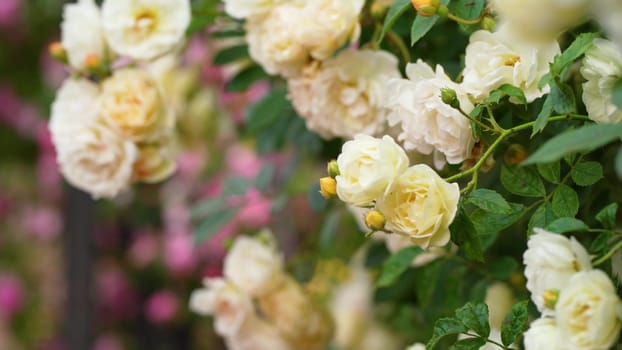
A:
{"x":428,"y":125}
{"x":247,"y":8}
{"x":258,"y":334}
{"x":607,"y":13}
{"x":145,"y":29}
{"x":602,"y":66}
{"x":344,"y":96}
{"x":542,"y":334}
{"x":155,"y":162}
{"x":229,"y":306}
{"x":589,"y":312}
{"x":81,"y":32}
{"x":420,"y":205}
{"x":540,"y":19}
{"x":131,"y":104}
{"x":550,"y":261}
{"x":494,"y":59}
{"x":255,"y":267}
{"x":367,"y":166}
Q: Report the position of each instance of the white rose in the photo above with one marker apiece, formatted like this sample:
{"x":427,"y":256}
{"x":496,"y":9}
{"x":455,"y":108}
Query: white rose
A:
{"x":367,"y":166}
{"x":542,"y":334}
{"x":247,"y":8}
{"x":273,"y":41}
{"x":328,"y":25}
{"x":602,"y":66}
{"x":229,"y":306}
{"x":344,"y":96}
{"x":145,"y":29}
{"x":588,"y":312}
{"x":416,"y":346}
{"x":550,"y":261}
{"x":131,"y":104}
{"x":257,"y":334}
{"x":155,"y":162}
{"x":608,"y":14}
{"x":494,"y":59}
{"x":253,"y":266}
{"x":540,"y":19}
{"x":428,"y":125}
{"x":81,"y":32}
{"x":420,"y":205}
{"x":91,"y":156}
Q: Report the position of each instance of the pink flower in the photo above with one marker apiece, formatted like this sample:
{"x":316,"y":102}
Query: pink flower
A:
{"x":108,"y":342}
{"x":179,"y":255}
{"x":144,"y":249}
{"x":41,"y":222}
{"x":190,"y":163}
{"x":256,"y":211}
{"x":162,"y":307}
{"x":11,"y":295}
{"x":242,"y":161}
{"x":10,"y":13}
{"x":116,"y":300}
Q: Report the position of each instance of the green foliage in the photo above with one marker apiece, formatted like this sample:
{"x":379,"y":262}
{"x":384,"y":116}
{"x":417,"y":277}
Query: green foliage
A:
{"x":607,"y":216}
{"x":515,"y":323}
{"x":472,"y":317}
{"x":566,"y":224}
{"x":586,"y":173}
{"x":522,"y":181}
{"x":550,"y":171}
{"x":464,"y":234}
{"x":565,"y":201}
{"x":504,"y":267}
{"x":512,"y":92}
{"x":467,"y":9}
{"x":396,"y":264}
{"x":231,"y":54}
{"x":243,"y":80}
{"x":578,"y":47}
{"x":489,"y":201}
{"x":542,"y":217}
{"x":421,"y":26}
{"x":616,"y":93}
{"x":398,"y":8}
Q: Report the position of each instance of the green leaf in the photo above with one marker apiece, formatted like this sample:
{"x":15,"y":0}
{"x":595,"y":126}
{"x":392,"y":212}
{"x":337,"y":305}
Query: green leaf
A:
{"x":490,"y":201}
{"x":235,"y":186}
{"x":231,"y":54}
{"x":522,"y":181}
{"x":396,"y":264}
{"x":616,"y":93}
{"x":515,"y":323}
{"x":617,"y":164}
{"x":584,"y":139}
{"x":543,"y":117}
{"x":607,"y":216}
{"x":542,"y":217}
{"x":586,"y":173}
{"x":549,"y":171}
{"x":578,"y":47}
{"x":264,"y":178}
{"x":562,"y":97}
{"x":328,"y":231}
{"x":563,"y":225}
{"x":467,"y":9}
{"x":397,"y":9}
{"x":515,"y":94}
{"x":464,"y":235}
{"x":469,"y":344}
{"x":266,"y":111}
{"x":245,"y":78}
{"x":487,"y":223}
{"x":503,"y":268}
{"x":430,"y":273}
{"x":600,"y":244}
{"x":213,"y":223}
{"x":444,"y":327}
{"x":207,"y":207}
{"x":421,"y":26}
{"x":475,"y":317}
{"x":565,"y":201}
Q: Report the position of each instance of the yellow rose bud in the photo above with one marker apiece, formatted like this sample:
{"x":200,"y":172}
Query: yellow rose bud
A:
{"x":375,"y":220}
{"x":426,"y":7}
{"x":58,"y":52}
{"x":328,"y":187}
{"x":332,"y":169}
{"x":550,"y":298}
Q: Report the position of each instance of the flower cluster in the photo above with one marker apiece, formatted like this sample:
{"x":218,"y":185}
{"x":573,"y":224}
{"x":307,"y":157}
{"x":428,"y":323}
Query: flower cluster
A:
{"x":579,"y":305}
{"x":111,"y":122}
{"x":256,"y":305}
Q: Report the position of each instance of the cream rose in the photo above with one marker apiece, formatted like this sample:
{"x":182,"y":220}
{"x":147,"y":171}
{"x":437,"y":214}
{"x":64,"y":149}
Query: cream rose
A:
{"x":155,"y":162}
{"x":131,"y":104}
{"x":588,"y":312}
{"x":367,"y":166}
{"x":602,"y":66}
{"x":230,"y":307}
{"x":255,"y":267}
{"x":145,"y":29}
{"x":542,"y":334}
{"x":74,"y":109}
{"x":247,"y":8}
{"x":550,"y":261}
{"x":608,"y":13}
{"x":427,"y":124}
{"x":273,"y":41}
{"x":257,"y":334}
{"x":344,"y":96}
{"x":420,"y":205}
{"x":81,"y":32}
{"x":494,"y":59}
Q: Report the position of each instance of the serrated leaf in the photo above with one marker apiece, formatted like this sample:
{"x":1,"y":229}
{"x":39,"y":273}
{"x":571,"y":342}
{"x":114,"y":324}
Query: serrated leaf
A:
{"x":490,"y":201}
{"x":563,"y":225}
{"x":264,"y":113}
{"x":464,"y":235}
{"x":444,"y":327}
{"x":396,"y":264}
{"x":467,"y":9}
{"x":584,"y":139}
{"x":550,"y":171}
{"x":420,"y":27}
{"x":578,"y":47}
{"x":231,"y":54}
{"x":506,"y":90}
{"x":607,"y":216}
{"x":469,"y":344}
{"x":586,"y":173}
{"x":245,"y":78}
{"x":565,"y":201}
{"x":562,"y":98}
{"x":522,"y":181}
{"x":397,"y":9}
{"x":543,"y":117}
{"x":515,"y":323}
{"x":475,"y":317}
{"x":487,"y":223}
{"x":616,"y":93}
{"x":212,"y":223}
{"x":504,"y":267}
{"x":542,"y":217}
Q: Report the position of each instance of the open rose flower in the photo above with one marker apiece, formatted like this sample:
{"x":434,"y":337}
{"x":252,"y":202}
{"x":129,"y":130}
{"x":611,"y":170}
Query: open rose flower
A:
{"x":155,"y":162}
{"x":81,"y":32}
{"x":247,"y":8}
{"x":542,"y":334}
{"x":420,"y":205}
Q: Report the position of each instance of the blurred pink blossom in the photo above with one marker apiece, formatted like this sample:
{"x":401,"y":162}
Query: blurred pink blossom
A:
{"x":11,"y":295}
{"x":242,"y":161}
{"x":53,"y":71}
{"x":23,"y":117}
{"x":197,"y":51}
{"x":42,"y":222}
{"x":255,"y":213}
{"x":116,"y":300}
{"x":10,"y":13}
{"x":144,"y":249}
{"x":179,"y":255}
{"x":107,"y":342}
{"x":162,"y":307}
{"x":190,"y":163}
{"x":237,"y":102}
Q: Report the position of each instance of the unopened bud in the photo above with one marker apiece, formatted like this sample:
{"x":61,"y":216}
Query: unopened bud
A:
{"x":426,"y":8}
{"x":515,"y":154}
{"x":378,"y":9}
{"x":550,"y":298}
{"x":92,"y":62}
{"x":488,"y":23}
{"x":328,"y":187}
{"x":58,"y":52}
{"x":332,"y":169}
{"x":375,"y":220}
{"x":449,"y":97}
